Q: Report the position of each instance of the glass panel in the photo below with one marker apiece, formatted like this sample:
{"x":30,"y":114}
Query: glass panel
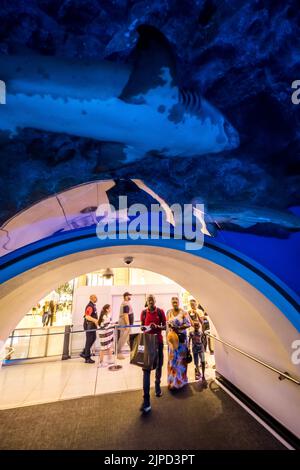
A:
{"x":6,"y":352}
{"x":37,"y":347}
{"x":77,"y":342}
{"x":21,"y":345}
{"x":55,"y":342}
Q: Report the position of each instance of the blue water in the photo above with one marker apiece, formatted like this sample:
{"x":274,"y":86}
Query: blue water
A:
{"x":280,"y":256}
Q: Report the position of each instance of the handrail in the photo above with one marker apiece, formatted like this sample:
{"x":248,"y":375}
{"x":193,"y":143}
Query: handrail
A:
{"x":282,"y":375}
{"x":66,"y":333}
{"x":70,"y":332}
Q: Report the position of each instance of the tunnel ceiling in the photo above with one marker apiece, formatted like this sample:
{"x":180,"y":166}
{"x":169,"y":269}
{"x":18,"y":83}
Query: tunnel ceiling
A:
{"x":239,"y":55}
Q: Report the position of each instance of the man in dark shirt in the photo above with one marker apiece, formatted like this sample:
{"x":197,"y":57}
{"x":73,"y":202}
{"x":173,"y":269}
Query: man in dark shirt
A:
{"x":154,"y":318}
{"x":90,"y":325}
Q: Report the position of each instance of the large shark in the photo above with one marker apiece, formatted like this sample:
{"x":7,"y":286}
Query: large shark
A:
{"x":139,"y":107}
{"x":251,"y":219}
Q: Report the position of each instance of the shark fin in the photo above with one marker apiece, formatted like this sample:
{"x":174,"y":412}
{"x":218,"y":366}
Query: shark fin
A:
{"x":154,"y":66}
{"x":212,"y":229}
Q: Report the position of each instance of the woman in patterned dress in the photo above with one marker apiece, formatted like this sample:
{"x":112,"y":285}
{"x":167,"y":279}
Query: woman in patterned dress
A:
{"x":106,"y":335}
{"x":178,"y":321}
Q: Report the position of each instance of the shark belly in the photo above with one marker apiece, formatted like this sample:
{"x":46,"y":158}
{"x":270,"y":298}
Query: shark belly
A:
{"x":96,"y":119}
{"x":140,"y":106}
{"x":140,"y":128}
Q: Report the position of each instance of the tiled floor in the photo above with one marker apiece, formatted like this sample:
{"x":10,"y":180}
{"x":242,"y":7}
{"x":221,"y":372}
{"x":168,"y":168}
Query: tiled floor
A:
{"x":29,"y":384}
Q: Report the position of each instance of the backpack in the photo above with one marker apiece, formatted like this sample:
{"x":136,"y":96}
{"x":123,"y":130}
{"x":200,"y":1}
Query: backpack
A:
{"x":206,"y":325}
{"x":144,"y":313}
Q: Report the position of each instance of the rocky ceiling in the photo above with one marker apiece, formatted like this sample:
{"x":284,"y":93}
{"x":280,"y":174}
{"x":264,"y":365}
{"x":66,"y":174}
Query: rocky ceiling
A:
{"x":241,"y":55}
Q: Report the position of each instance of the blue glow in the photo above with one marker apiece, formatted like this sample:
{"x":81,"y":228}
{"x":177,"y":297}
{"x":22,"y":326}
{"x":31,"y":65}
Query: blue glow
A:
{"x":65,"y":244}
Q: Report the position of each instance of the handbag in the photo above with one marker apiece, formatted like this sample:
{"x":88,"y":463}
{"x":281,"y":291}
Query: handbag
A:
{"x":181,"y":337}
{"x":144,"y":351}
{"x":189,"y":357}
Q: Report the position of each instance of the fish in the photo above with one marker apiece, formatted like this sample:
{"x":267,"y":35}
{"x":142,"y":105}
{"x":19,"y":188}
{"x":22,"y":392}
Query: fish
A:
{"x":251,"y":219}
{"x":139,"y":107}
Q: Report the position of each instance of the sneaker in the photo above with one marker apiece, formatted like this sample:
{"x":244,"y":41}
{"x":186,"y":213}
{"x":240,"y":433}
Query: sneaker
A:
{"x":158,"y":392}
{"x":145,"y":408}
{"x":82,"y":355}
{"x":89,"y":361}
{"x":120,"y":356}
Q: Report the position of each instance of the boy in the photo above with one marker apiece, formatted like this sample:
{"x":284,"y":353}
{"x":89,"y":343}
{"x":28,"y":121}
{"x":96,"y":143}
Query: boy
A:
{"x":196,"y":337}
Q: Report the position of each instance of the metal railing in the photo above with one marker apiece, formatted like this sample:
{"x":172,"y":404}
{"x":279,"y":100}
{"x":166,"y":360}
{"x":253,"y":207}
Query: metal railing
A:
{"x":63,"y":332}
{"x":282,"y":375}
{"x":33,"y":343}
{"x":63,"y":349}
{"x":68,"y":332}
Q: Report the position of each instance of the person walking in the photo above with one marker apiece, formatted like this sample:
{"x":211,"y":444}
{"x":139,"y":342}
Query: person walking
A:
{"x":154,"y":318}
{"x":106,"y":335}
{"x":45,"y":314}
{"x":206,"y":329}
{"x":178,"y":321}
{"x":52,"y":309}
{"x":196,"y":337}
{"x":90,"y":325}
{"x":126,"y":318}
{"x":194,"y":312}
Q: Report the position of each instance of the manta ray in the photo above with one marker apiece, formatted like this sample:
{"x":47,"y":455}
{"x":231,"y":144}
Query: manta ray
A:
{"x":137,"y":107}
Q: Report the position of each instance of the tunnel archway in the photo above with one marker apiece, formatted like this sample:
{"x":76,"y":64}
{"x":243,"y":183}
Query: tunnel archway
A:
{"x":247,"y":312}
{"x":249,"y":307}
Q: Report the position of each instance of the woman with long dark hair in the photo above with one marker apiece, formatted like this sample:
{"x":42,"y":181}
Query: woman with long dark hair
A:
{"x":106,"y":335}
{"x":178,"y":322}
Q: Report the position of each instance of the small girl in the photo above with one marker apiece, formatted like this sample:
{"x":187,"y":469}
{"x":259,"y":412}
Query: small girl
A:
{"x":196,"y":337}
{"x":106,"y":335}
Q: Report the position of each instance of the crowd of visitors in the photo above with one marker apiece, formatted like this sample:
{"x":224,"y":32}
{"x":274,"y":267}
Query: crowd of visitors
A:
{"x":185,"y":333}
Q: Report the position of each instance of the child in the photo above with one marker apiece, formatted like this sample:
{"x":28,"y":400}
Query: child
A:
{"x":106,"y":335}
{"x":196,"y":337}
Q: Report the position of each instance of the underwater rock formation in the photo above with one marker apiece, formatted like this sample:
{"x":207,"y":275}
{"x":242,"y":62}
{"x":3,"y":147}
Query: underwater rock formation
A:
{"x":241,"y":55}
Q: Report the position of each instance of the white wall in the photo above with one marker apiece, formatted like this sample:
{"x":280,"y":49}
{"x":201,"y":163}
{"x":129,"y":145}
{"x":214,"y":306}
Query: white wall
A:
{"x":113,"y":295}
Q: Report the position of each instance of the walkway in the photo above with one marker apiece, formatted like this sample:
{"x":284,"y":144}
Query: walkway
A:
{"x":43,"y":382}
{"x":196,"y":418}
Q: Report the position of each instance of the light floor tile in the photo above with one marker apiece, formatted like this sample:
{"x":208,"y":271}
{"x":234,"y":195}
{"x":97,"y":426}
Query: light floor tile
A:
{"x":26,"y":384}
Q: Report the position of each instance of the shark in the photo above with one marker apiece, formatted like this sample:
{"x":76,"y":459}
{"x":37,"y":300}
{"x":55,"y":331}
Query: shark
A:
{"x":138,"y":107}
{"x":248,"y":218}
